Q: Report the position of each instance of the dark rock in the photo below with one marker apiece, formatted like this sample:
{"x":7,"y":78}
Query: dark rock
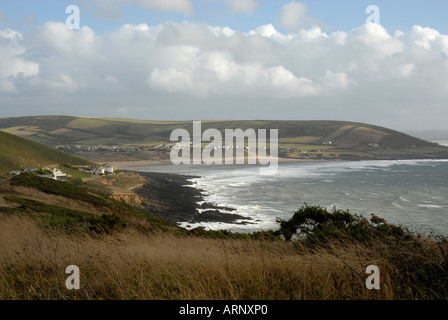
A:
{"x":208,"y":205}
{"x":218,"y":216}
{"x":171,"y":197}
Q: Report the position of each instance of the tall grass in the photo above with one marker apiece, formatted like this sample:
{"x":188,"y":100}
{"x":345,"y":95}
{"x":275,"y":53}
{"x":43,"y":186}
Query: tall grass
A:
{"x":315,"y":255}
{"x":134,"y":265}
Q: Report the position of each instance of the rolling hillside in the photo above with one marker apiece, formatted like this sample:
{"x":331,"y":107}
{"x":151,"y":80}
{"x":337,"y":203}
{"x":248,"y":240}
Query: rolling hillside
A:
{"x":19,"y":153}
{"x":126,"y":253}
{"x":316,"y":139}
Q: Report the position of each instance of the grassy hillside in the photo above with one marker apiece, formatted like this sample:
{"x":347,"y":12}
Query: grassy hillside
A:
{"x":127,"y":253}
{"x":315,"y":139}
{"x":19,"y":153}
{"x":59,"y":205}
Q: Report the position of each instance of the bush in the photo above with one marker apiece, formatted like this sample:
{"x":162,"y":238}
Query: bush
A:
{"x":42,"y":171}
{"x":59,"y":188}
{"x":315,"y":224}
{"x":66,"y":219}
{"x":418,"y":265}
{"x":69,"y":166}
{"x":76,"y":181}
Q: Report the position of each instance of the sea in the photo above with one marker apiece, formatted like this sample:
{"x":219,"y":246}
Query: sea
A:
{"x":411,"y":193}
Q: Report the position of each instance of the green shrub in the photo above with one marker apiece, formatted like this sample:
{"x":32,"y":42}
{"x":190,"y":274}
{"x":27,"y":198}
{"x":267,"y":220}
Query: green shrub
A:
{"x":51,"y":186}
{"x":76,"y":181}
{"x":42,"y":171}
{"x":418,"y":264}
{"x":69,"y":166}
{"x":69,"y":220}
{"x":315,"y":224}
{"x":216,"y":234}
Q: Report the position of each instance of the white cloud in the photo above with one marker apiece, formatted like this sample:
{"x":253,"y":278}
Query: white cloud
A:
{"x":111,"y":9}
{"x":425,"y":37}
{"x":267,"y":30}
{"x":404,"y":70}
{"x":376,"y":37}
{"x":174,"y":80}
{"x":243,"y":6}
{"x":60,"y":83}
{"x":112,"y":79}
{"x":12,"y":60}
{"x":197,"y":70}
{"x":182,"y":6}
{"x":335,"y":81}
{"x":53,"y":38}
{"x":294,"y":15}
{"x":218,"y":74}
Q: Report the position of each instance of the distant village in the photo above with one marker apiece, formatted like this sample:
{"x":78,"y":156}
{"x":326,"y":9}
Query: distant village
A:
{"x":108,"y":168}
{"x":73,"y":148}
{"x":58,"y":175}
{"x":293,"y":152}
{"x":113,"y":148}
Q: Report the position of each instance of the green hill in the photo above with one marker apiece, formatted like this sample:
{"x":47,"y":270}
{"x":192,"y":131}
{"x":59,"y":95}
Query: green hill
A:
{"x":19,"y":153}
{"x":315,"y":139}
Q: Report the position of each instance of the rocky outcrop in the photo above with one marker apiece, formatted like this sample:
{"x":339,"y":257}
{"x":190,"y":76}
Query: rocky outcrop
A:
{"x":129,"y":198}
{"x":173,"y":198}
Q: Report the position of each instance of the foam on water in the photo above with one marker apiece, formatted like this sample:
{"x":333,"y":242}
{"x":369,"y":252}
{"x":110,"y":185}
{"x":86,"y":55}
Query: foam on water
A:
{"x":430,"y":206}
{"x":409,"y":192}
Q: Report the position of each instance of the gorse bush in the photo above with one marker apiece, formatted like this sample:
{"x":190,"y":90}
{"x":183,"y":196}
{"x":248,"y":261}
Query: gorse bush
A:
{"x":72,"y":221}
{"x":69,"y":166}
{"x":76,"y":181}
{"x":314,"y":224}
{"x":43,"y":171}
{"x":59,"y":188}
{"x":418,"y":264}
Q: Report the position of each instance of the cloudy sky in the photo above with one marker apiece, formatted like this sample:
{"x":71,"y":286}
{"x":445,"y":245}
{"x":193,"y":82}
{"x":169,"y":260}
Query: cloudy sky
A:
{"x":228,"y":59}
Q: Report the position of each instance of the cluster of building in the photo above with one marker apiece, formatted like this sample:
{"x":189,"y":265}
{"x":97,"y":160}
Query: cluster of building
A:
{"x":108,"y":168}
{"x":297,"y":150}
{"x":113,"y":148}
{"x":180,"y":145}
{"x":55,"y":174}
{"x":58,"y":175}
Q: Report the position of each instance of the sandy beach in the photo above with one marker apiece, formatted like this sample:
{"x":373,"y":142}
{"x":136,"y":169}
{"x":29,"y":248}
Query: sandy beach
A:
{"x":119,"y":165}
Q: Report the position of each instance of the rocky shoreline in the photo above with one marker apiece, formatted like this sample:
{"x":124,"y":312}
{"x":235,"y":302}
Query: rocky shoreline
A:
{"x":173,"y":197}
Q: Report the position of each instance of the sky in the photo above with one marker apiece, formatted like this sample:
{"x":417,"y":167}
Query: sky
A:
{"x":228,"y":60}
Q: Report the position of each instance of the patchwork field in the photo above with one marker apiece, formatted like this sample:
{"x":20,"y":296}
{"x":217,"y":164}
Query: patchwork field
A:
{"x":345,"y":140}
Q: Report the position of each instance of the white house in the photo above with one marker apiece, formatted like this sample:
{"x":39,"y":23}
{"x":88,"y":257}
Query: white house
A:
{"x":106,"y":168}
{"x":58,"y":175}
{"x":109,"y":168}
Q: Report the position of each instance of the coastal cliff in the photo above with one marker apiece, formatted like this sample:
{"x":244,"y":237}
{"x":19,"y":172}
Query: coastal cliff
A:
{"x":174,"y":198}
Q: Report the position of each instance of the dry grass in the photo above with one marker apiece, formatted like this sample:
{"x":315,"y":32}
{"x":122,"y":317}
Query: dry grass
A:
{"x":55,"y":200}
{"x":116,"y":184}
{"x":133,"y":265}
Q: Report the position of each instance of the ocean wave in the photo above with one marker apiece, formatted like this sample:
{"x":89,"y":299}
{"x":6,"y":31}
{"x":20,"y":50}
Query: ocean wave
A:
{"x":238,"y":184}
{"x":434,"y":206}
{"x":364,"y":187}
